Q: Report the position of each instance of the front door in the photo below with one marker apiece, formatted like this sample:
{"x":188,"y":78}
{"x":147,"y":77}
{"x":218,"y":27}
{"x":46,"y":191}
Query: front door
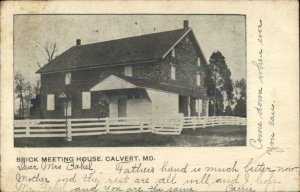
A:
{"x":68,"y":109}
{"x":122,"y":107}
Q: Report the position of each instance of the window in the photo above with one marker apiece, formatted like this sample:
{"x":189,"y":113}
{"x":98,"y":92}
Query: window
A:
{"x":198,"y":80}
{"x":50,"y":102}
{"x":198,"y":62}
{"x":128,"y":71}
{"x":137,"y":96}
{"x":86,"y":100}
{"x":130,"y":97}
{"x":173,"y":72}
{"x":68,"y":78}
{"x":173,"y":52}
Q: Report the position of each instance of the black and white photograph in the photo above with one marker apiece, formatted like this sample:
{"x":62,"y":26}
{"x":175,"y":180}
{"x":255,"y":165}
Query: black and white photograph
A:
{"x":148,"y":80}
{"x":149,"y":96}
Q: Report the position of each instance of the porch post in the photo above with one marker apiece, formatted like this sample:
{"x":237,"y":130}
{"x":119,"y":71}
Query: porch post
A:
{"x":207,"y":107}
{"x":69,"y":130}
{"x":199,"y":109}
{"x":189,"y":106}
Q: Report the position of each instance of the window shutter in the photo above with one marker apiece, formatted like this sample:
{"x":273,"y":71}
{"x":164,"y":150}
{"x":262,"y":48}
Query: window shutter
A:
{"x":50,"y":102}
{"x":68,"y":78}
{"x":173,"y":73}
{"x":173,"y":52}
{"x":198,"y":80}
{"x":128,"y":71}
{"x":86,"y":100}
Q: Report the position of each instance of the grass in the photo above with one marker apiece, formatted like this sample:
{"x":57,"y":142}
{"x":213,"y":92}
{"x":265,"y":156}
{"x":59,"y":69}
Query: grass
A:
{"x":212,"y":136}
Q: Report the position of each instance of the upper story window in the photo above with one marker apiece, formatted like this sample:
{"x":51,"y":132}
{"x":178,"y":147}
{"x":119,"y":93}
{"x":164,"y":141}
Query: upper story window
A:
{"x":173,"y":72}
{"x":198,"y":80}
{"x":198,"y":62}
{"x":173,"y":52}
{"x":128,"y":71}
{"x":68,"y":78}
{"x":86,"y":100}
{"x":50,"y":102}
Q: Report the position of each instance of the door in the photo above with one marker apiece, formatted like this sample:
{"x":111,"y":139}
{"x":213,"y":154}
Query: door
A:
{"x":122,"y":107}
{"x":68,"y":110}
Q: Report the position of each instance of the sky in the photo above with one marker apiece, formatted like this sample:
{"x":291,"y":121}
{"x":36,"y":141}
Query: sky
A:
{"x":224,"y":33}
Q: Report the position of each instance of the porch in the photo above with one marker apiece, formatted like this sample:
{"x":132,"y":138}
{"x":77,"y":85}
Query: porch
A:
{"x":129,"y":97}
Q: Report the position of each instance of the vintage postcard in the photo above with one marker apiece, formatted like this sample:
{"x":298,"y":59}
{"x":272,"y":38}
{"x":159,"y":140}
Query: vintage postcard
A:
{"x":148,"y":96}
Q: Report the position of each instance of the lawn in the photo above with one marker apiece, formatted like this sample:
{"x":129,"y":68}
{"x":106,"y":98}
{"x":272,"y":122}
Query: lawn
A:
{"x":211,"y":136}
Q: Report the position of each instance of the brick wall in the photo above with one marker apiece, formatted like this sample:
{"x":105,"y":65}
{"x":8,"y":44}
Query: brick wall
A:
{"x":185,"y":62}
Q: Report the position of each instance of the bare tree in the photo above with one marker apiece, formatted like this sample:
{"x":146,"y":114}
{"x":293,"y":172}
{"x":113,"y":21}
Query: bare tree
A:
{"x":37,"y":87}
{"x":22,"y":90}
{"x":51,"y":51}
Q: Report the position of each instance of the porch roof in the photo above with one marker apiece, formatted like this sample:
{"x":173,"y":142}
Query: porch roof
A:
{"x":114,"y":82}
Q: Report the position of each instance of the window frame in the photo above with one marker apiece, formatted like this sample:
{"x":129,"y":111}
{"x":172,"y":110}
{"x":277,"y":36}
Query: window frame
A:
{"x":84,"y":104}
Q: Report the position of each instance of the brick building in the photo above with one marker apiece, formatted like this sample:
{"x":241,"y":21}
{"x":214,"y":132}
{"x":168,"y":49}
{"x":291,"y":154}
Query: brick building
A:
{"x":153,"y":74}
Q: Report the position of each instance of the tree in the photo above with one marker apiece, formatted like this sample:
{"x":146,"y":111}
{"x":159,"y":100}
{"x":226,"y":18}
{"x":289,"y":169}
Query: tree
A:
{"x":218,"y":83}
{"x":103,"y":104}
{"x":35,"y":109}
{"x":37,"y":87}
{"x":51,"y":51}
{"x":240,"y":98}
{"x":23,"y":92}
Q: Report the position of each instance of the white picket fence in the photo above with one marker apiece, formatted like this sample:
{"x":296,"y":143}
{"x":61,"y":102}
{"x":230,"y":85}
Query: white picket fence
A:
{"x":172,"y":125}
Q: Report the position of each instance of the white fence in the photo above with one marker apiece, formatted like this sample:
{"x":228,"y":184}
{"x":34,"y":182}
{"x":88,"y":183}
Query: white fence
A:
{"x":202,"y":122}
{"x":85,"y":127}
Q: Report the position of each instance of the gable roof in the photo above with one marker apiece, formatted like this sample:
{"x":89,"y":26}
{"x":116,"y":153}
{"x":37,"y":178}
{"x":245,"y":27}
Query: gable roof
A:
{"x":145,"y":48}
{"x":124,"y":82}
{"x":113,"y":82}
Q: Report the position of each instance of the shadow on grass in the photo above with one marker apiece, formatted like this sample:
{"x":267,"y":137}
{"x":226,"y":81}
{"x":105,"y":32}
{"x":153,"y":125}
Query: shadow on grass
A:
{"x":211,"y":136}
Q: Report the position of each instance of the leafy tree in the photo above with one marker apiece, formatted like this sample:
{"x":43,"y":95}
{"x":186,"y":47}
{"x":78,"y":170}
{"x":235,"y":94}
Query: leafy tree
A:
{"x":240,"y":98}
{"x":218,"y":83}
{"x":35,"y":109}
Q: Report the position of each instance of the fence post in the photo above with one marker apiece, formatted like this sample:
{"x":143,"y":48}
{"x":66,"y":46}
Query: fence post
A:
{"x":27,"y":133}
{"x":141,"y":124}
{"x":69,"y":130}
{"x":153,"y":121}
{"x":194,"y":123}
{"x":181,"y":119}
{"x":106,"y":125}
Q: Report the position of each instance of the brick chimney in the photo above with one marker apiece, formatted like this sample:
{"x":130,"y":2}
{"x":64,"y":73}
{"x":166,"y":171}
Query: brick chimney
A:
{"x":78,"y":42}
{"x":186,"y":24}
